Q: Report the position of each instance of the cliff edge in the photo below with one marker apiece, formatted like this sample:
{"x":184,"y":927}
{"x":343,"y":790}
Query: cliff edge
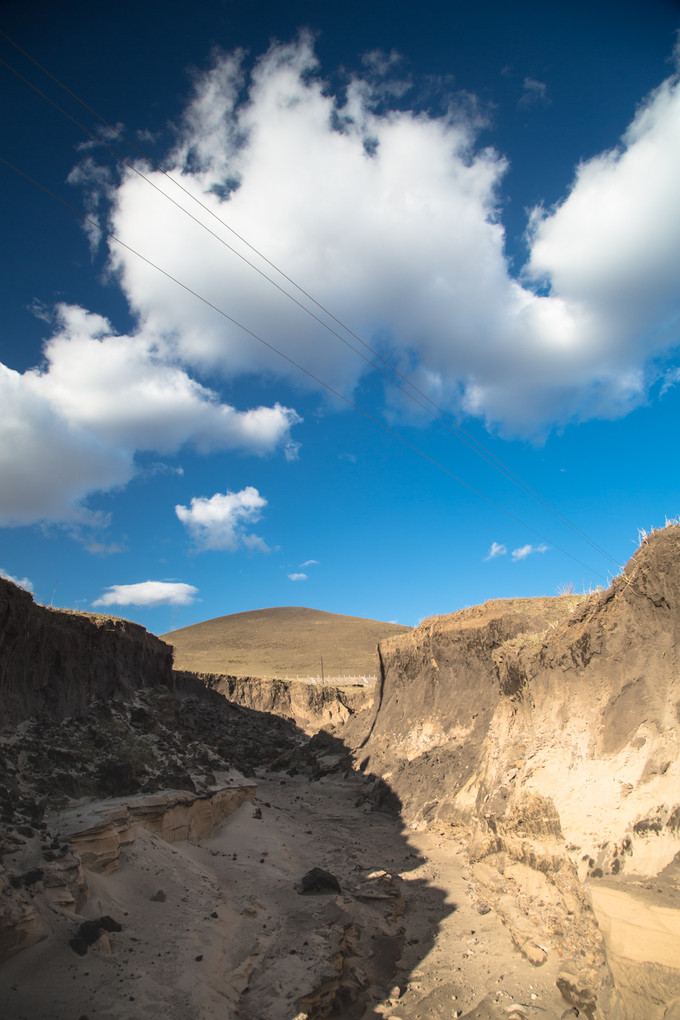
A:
{"x":55,"y":661}
{"x":548,"y":730}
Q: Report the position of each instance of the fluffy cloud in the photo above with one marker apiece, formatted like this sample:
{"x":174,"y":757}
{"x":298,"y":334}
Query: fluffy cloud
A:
{"x":149,"y":594}
{"x":391,"y":218}
{"x":220,"y":522}
{"x":297,"y":577}
{"x":527,"y":550}
{"x":73,"y":426}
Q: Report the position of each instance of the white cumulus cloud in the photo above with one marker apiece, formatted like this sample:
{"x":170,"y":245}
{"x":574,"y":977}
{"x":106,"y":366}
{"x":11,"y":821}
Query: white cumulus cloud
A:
{"x":220,"y":521}
{"x":392,"y":219}
{"x":297,"y":577}
{"x":149,"y":594}
{"x":73,"y":426}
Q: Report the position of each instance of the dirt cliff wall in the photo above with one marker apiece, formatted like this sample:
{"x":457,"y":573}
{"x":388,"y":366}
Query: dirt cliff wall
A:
{"x":436,"y":695}
{"x":55,"y":661}
{"x":551,"y":732}
{"x":310,"y":706}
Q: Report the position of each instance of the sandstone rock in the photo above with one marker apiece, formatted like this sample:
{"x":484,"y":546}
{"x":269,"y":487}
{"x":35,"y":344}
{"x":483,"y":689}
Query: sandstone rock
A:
{"x":100,"y":833}
{"x":577,"y":992}
{"x":94,"y":933}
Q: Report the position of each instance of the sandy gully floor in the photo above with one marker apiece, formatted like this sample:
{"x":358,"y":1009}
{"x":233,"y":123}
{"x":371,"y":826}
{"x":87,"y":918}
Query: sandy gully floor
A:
{"x":219,"y":930}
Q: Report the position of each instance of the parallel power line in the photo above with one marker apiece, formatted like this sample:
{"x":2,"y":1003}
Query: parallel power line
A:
{"x":291,"y":361}
{"x":413,"y":392}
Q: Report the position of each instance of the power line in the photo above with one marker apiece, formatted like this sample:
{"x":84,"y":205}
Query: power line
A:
{"x":108,"y":233}
{"x":436,"y":412}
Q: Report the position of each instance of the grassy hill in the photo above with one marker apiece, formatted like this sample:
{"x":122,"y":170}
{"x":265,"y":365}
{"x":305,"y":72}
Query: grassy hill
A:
{"x":285,"y":641}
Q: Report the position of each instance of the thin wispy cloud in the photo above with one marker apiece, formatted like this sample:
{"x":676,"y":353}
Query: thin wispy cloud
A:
{"x":527,"y":550}
{"x":670,"y":379}
{"x":104,"y":548}
{"x":496,"y":549}
{"x":534,"y":93}
{"x":297,"y":577}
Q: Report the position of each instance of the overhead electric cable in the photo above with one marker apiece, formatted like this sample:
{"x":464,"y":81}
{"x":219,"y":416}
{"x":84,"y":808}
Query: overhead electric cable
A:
{"x":458,"y":431}
{"x":291,"y":361}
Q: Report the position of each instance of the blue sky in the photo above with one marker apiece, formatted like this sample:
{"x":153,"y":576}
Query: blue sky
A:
{"x":480,"y":208}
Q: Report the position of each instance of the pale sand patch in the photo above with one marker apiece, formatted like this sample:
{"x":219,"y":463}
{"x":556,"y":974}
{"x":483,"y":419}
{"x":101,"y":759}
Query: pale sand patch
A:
{"x":218,"y":929}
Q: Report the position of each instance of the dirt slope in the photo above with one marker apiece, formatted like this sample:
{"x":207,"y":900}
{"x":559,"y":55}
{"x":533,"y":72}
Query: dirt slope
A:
{"x":548,"y":731}
{"x":281,"y":642}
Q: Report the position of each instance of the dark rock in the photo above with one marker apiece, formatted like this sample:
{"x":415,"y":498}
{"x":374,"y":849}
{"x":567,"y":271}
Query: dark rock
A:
{"x":89,"y":932}
{"x":118,"y":778}
{"x":32,"y":876}
{"x":317,"y":881}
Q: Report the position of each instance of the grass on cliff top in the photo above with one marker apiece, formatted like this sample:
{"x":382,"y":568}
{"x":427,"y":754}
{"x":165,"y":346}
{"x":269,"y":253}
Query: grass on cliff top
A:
{"x":285,"y":641}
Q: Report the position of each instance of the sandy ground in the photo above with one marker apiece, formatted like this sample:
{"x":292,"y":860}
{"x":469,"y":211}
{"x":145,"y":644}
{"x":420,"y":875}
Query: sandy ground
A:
{"x":219,"y":929}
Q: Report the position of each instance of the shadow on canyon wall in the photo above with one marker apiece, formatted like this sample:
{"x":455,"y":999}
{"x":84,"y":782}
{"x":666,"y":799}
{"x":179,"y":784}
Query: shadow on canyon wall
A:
{"x":94,"y":716}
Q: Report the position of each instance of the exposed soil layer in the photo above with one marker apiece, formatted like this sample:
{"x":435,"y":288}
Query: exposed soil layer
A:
{"x":54,"y":662}
{"x":310,"y":706}
{"x":548,"y":730}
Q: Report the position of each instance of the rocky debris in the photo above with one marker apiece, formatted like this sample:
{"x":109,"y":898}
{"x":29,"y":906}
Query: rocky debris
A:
{"x":115,"y":751}
{"x":318,"y":881}
{"x":320,"y":756}
{"x":20,"y":923}
{"x":578,"y":994}
{"x":90,"y":932}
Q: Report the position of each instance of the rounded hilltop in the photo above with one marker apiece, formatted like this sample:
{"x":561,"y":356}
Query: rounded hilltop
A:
{"x":283,"y":641}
